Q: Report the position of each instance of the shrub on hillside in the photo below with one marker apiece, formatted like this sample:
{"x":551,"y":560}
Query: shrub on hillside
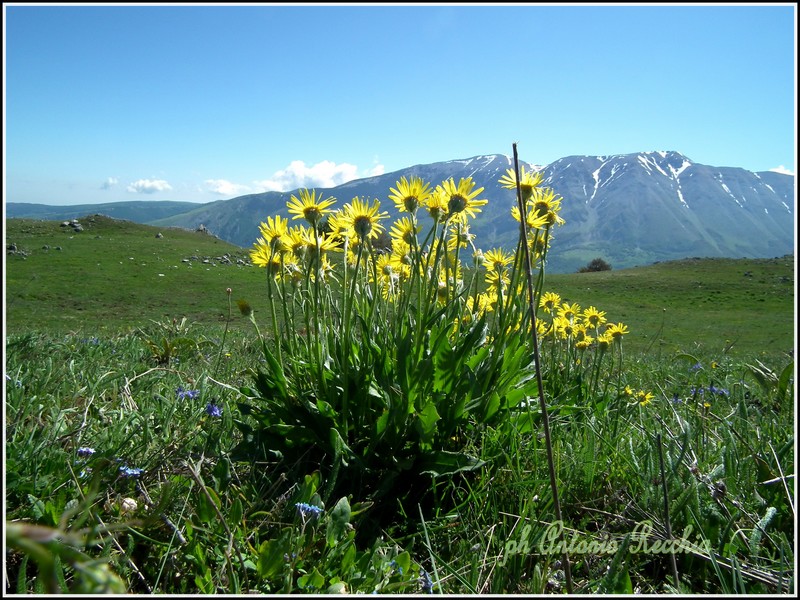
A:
{"x":597,"y":264}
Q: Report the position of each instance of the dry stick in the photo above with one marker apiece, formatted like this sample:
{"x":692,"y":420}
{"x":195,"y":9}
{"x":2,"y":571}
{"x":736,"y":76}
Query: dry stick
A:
{"x":666,"y":511}
{"x":542,"y":403}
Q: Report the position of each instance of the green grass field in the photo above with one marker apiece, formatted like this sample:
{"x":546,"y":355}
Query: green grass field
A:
{"x":116,"y":275}
{"x":156,"y":442}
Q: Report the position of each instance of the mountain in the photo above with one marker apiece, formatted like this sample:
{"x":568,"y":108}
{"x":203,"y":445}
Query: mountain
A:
{"x":629,"y":209}
{"x":138,"y":211}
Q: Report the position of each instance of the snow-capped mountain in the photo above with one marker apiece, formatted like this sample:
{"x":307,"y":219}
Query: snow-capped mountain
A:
{"x":629,"y":209}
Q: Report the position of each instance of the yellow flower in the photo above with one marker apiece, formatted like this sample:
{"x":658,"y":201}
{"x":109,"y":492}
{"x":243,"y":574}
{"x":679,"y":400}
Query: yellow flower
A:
{"x":547,"y":204}
{"x":569,"y":311}
{"x":437,"y":206}
{"x":263,"y":256}
{"x":275,"y":232}
{"x":616,"y":331}
{"x":460,"y":237}
{"x":361,"y":218}
{"x":309,"y":207}
{"x":528,"y":180}
{"x":497,"y":259}
{"x":628,"y":390}
{"x":404,"y":230}
{"x":410,"y":194}
{"x":549,"y":301}
{"x":644,"y":398}
{"x":532,"y":219}
{"x":460,"y":198}
{"x":593,"y":317}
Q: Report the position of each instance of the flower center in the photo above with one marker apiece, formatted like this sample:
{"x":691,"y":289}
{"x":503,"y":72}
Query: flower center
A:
{"x":362,"y":226}
{"x":457,"y":204}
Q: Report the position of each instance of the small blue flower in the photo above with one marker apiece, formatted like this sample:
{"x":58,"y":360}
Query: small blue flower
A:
{"x":213,"y":410}
{"x":130,"y":471}
{"x":306,"y":510}
{"x":85,"y":451}
{"x":183,"y":394}
{"x":426,"y":582}
{"x":676,"y":399}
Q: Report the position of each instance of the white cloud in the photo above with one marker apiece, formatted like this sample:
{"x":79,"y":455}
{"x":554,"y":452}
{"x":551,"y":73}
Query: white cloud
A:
{"x":149,"y":186}
{"x":376,"y":170}
{"x":226,"y":188}
{"x":783,"y":170}
{"x":109,"y":183}
{"x":325,"y":174}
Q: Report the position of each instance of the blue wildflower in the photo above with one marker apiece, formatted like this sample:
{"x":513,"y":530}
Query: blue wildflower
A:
{"x":213,"y":410}
{"x":676,"y":399}
{"x":717,"y":391}
{"x":306,"y":510}
{"x":426,"y":582}
{"x":183,"y":394}
{"x":84,"y":452}
{"x":696,"y":367}
{"x":130,"y":471}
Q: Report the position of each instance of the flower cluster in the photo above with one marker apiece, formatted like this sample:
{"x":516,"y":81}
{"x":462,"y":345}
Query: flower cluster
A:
{"x":213,"y":410}
{"x":183,"y":394}
{"x":307,"y":510}
{"x":132,"y":472}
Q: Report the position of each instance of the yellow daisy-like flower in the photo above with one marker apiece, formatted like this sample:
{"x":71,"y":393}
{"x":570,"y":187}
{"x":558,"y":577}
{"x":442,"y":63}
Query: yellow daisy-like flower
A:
{"x":616,"y":331}
{"x":497,"y":280}
{"x":564,"y":327}
{"x":262,"y":255}
{"x":309,"y":207}
{"x":497,"y":259}
{"x":644,"y":398}
{"x":569,"y":311}
{"x":410,"y":194}
{"x":404,"y":230}
{"x":326,"y":244}
{"x":437,"y":206}
{"x":363,"y":219}
{"x":533,"y":220}
{"x":528,"y":180}
{"x":460,"y":237}
{"x":549,"y":301}
{"x":628,"y":390}
{"x":461,"y":198}
{"x":547,"y":204}
{"x":593,"y":317}
{"x":604,"y":341}
{"x":275,"y":232}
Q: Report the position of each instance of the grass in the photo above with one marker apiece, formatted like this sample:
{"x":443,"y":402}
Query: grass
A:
{"x":177,"y":497}
{"x":117,"y":274}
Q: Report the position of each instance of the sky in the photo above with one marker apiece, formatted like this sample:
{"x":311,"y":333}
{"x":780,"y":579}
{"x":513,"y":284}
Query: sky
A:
{"x":198,"y":103}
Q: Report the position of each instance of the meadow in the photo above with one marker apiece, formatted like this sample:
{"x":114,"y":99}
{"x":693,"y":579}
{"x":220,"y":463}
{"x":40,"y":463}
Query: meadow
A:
{"x":184,"y":416}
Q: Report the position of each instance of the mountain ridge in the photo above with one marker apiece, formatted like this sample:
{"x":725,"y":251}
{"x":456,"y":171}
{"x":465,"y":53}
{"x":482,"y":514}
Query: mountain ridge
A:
{"x":629,"y":209}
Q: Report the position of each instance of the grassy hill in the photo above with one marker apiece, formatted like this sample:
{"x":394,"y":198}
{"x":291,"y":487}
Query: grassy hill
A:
{"x":116,"y":275}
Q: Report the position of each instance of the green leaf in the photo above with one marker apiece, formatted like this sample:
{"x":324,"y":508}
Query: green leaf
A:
{"x":338,"y":523}
{"x":311,"y":581}
{"x":236,"y":512}
{"x":271,"y":559}
{"x":447,"y":463}
{"x":426,"y":423}
{"x":783,"y":381}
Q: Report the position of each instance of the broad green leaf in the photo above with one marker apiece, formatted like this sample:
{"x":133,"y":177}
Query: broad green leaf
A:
{"x":447,"y":463}
{"x":338,"y":522}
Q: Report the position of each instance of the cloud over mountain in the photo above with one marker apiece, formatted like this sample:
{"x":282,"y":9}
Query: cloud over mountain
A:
{"x":324,"y":174}
{"x":149,"y":186}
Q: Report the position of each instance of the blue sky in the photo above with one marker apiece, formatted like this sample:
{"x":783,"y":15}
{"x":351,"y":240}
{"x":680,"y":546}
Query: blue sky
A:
{"x":200,"y":103}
